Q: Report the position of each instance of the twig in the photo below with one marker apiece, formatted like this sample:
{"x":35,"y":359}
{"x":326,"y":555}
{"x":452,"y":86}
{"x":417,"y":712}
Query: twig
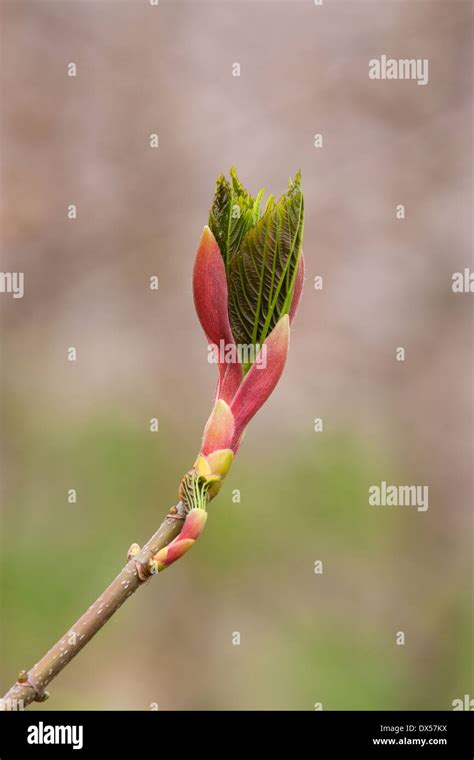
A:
{"x":31,"y":684}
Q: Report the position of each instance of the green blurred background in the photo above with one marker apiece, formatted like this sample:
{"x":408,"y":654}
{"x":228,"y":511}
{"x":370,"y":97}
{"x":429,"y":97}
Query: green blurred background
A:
{"x":305,"y":638}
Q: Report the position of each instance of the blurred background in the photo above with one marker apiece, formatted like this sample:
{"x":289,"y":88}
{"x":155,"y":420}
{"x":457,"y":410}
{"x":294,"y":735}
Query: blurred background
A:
{"x":305,"y":638}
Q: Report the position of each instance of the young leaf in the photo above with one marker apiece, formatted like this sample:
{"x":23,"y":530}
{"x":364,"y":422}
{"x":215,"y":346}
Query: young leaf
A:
{"x":233,"y":213}
{"x":262,"y":273}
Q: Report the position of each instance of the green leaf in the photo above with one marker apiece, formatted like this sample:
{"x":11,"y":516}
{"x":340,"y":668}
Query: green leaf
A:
{"x":233,"y":213}
{"x":262,"y":271}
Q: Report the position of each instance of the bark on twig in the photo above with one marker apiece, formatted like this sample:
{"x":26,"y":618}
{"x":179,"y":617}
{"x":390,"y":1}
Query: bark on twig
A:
{"x":31,"y":684}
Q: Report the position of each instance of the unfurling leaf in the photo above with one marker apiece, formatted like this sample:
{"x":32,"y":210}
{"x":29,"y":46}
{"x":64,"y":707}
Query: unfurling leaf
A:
{"x":232,"y":214}
{"x":263,"y":272}
{"x":262,"y":256}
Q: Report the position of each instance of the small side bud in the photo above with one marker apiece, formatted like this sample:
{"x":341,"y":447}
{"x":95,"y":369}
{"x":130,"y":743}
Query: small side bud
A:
{"x":133,"y":551}
{"x":191,"y":530}
{"x":220,"y":461}
{"x":169,"y":554}
{"x":42,"y":697}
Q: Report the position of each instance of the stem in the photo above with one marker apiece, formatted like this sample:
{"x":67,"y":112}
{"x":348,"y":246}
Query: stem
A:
{"x":30,"y":686}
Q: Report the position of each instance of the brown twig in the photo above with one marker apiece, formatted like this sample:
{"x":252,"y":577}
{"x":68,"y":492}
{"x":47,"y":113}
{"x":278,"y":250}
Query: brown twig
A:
{"x":31,"y":684}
